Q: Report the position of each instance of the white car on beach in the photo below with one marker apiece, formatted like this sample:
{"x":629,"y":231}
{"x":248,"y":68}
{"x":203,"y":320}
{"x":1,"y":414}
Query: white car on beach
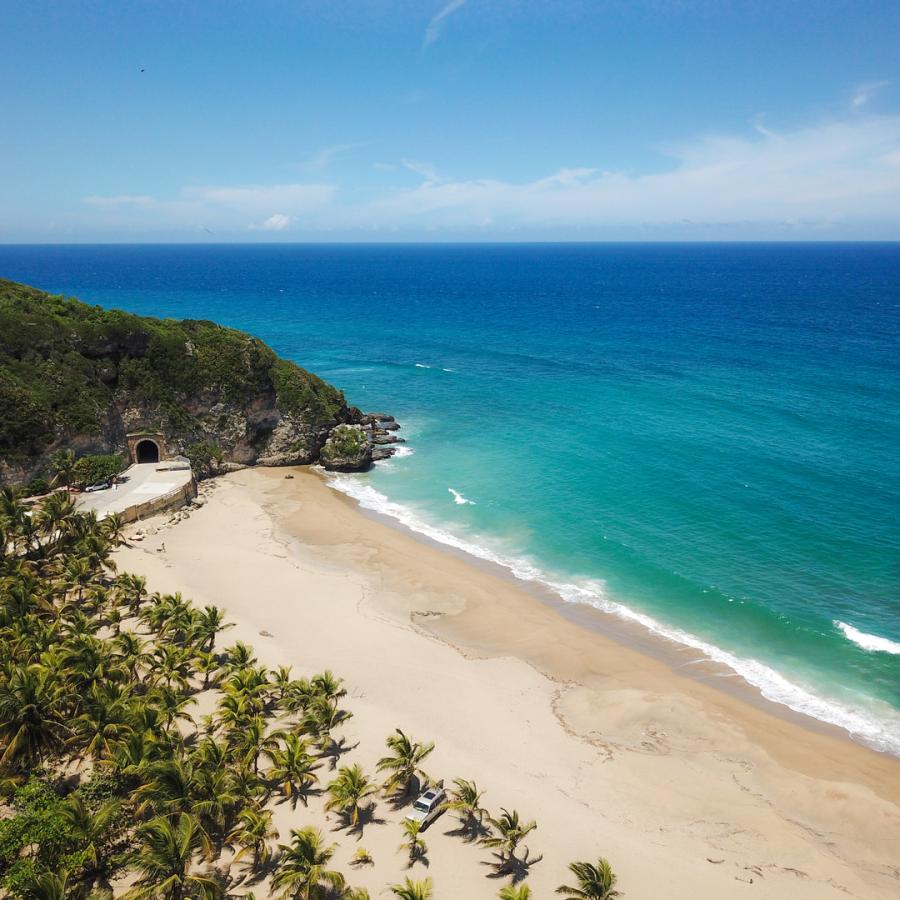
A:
{"x":428,"y":806}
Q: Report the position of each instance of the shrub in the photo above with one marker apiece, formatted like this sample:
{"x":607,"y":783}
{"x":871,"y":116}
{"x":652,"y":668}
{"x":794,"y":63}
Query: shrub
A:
{"x":96,"y":470}
{"x":205,"y":458}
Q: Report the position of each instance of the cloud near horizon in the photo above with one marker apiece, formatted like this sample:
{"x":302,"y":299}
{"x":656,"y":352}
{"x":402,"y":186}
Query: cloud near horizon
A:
{"x":826,"y":176}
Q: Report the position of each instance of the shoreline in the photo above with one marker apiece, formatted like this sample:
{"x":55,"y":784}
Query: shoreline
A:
{"x":682,"y":659}
{"x":613,"y":751}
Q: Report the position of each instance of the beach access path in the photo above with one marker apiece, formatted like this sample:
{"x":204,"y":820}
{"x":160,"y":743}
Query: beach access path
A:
{"x":141,"y":483}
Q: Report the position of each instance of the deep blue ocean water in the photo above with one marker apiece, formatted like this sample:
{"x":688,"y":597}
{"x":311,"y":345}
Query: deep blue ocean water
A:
{"x":701,"y":438}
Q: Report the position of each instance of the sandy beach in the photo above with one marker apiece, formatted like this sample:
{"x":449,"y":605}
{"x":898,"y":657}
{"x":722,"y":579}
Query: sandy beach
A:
{"x":689,"y":790}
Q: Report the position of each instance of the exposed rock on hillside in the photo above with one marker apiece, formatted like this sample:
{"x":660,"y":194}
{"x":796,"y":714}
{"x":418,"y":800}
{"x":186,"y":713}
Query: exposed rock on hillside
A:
{"x":82,"y":377}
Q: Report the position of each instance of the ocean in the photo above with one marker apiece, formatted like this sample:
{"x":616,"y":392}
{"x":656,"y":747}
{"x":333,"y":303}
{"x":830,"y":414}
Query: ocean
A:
{"x":701,"y":439}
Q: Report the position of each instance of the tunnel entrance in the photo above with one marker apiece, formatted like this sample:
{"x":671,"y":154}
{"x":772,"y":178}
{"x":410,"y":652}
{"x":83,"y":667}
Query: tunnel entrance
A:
{"x":146,"y":452}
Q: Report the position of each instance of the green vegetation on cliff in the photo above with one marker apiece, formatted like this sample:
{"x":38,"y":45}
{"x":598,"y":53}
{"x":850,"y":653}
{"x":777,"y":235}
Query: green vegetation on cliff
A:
{"x":68,"y":369}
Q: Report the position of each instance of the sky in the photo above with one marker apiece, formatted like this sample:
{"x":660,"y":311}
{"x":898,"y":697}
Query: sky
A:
{"x":449,"y":120}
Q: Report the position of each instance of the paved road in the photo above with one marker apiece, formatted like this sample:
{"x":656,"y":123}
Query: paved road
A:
{"x":144,"y":482}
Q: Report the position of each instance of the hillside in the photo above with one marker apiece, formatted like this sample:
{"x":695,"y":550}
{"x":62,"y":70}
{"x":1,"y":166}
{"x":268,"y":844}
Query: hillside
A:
{"x":82,"y":377}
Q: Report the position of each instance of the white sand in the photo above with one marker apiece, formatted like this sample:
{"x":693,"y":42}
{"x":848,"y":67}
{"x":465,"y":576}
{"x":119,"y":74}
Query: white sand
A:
{"x":690,"y":792}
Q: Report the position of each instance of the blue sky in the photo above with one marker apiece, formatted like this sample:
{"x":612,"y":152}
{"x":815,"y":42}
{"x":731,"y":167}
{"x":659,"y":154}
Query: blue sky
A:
{"x":450,"y":120}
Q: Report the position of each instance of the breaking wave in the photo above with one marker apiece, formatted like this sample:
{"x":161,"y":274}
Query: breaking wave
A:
{"x":880,"y":732}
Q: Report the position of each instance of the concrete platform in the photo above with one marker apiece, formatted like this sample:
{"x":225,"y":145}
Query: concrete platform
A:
{"x":146,"y":489}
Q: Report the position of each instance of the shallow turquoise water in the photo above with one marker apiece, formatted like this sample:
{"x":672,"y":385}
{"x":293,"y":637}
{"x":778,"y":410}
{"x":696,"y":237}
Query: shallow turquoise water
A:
{"x":702,"y":437}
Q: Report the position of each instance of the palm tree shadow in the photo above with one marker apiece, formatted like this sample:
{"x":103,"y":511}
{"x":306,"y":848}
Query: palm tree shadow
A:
{"x":366,"y":817}
{"x":512,"y":866}
{"x":258,"y":873}
{"x":334,"y":750}
{"x":302,"y":794}
{"x":470,"y":832}
{"x":419,"y":858}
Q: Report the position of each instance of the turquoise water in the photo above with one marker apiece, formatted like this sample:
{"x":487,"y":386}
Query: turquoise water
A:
{"x":701,"y":438}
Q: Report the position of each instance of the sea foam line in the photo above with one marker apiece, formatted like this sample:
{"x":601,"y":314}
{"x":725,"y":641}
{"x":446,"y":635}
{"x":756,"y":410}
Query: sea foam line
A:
{"x":775,"y":687}
{"x":870,"y":642}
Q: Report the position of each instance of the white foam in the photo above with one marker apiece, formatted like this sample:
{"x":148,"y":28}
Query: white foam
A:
{"x":880,"y":731}
{"x":459,"y":499}
{"x":422,"y":366}
{"x":400,"y":452}
{"x":871,"y":642}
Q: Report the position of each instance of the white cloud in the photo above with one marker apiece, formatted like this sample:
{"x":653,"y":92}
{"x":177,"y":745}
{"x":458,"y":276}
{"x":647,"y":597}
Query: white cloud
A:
{"x":837,"y":171}
{"x":324,"y":156}
{"x":259,"y":200}
{"x":276,"y":222}
{"x":436,"y":24}
{"x":836,"y":174}
{"x":865,"y":92}
{"x":425,"y":169}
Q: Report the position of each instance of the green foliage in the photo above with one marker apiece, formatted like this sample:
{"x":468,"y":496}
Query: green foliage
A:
{"x":303,"y":394}
{"x":99,"y":469}
{"x":344,"y":441}
{"x":64,"y":365}
{"x":36,"y":487}
{"x":40,"y":822}
{"x":205,"y":458}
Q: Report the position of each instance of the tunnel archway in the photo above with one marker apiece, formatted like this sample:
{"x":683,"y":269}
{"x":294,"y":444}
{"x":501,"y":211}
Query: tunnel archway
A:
{"x":146,"y":452}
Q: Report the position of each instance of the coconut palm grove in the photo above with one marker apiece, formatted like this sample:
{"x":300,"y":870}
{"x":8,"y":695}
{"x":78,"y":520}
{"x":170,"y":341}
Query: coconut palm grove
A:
{"x":113,"y":784}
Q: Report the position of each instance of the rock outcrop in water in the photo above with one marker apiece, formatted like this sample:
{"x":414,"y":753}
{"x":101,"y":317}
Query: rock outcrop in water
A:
{"x":82,"y":377}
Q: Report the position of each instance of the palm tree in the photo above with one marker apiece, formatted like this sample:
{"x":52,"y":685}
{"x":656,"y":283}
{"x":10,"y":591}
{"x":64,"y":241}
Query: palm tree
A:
{"x":510,"y":831}
{"x":347,"y":791}
{"x":293,"y":768}
{"x":252,"y":740}
{"x":596,"y":881}
{"x":413,"y":890}
{"x":62,"y":463}
{"x":355,"y":894}
{"x":405,"y":764}
{"x":465,"y":798}
{"x":252,"y":834}
{"x":32,"y":712}
{"x":303,"y":871}
{"x":211,"y":622}
{"x":413,"y":842}
{"x":322,"y":716}
{"x":515,"y":892}
{"x":166,"y":849}
{"x":93,"y":830}
{"x":326,"y":684}
{"x":47,"y":886}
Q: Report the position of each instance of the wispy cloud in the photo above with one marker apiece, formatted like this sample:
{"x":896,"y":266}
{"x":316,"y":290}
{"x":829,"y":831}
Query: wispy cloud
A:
{"x":865,"y":92}
{"x":324,"y":156}
{"x":276,"y":222}
{"x":436,"y":24}
{"x":836,"y":174}
{"x":425,"y":169}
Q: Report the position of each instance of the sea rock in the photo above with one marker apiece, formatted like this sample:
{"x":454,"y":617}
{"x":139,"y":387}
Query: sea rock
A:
{"x":348,"y":449}
{"x":387,"y":439}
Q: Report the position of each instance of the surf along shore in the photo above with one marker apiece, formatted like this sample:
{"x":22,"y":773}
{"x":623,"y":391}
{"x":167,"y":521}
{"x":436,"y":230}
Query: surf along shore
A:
{"x":690,"y":791}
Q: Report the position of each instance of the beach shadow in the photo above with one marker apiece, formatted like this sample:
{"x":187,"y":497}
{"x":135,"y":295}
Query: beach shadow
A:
{"x":334,"y":750}
{"x":302,"y":794}
{"x":470,"y":832}
{"x":366,"y":817}
{"x":420,"y":857}
{"x":514,"y":867}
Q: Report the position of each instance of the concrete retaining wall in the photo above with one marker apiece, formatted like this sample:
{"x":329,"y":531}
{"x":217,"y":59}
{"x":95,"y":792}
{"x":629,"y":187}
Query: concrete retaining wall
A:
{"x":172,"y":500}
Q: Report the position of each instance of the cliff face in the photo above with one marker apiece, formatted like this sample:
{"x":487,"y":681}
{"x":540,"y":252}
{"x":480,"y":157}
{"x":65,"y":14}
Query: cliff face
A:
{"x":82,"y":377}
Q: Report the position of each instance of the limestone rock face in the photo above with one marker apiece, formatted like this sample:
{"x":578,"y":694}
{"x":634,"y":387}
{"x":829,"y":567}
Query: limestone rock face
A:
{"x":80,"y":377}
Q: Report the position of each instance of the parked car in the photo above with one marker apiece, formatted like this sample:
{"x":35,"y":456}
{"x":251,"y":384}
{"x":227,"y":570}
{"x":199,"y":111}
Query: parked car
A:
{"x":428,"y":806}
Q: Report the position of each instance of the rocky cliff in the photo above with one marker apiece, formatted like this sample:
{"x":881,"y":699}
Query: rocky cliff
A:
{"x":82,"y":377}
